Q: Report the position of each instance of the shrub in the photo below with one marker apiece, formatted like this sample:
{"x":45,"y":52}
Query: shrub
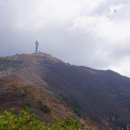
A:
{"x":27,"y":121}
{"x":23,"y":121}
{"x":44,"y":107}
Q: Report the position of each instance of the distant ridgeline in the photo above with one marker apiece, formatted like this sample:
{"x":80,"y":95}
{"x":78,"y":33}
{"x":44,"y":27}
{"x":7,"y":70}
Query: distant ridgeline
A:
{"x":7,"y":63}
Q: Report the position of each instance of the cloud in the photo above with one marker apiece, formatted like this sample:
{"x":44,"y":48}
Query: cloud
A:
{"x":81,"y":32}
{"x":110,"y":32}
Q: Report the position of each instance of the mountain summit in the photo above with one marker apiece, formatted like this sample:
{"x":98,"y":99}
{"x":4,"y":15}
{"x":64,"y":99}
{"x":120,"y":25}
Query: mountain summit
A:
{"x":38,"y":80}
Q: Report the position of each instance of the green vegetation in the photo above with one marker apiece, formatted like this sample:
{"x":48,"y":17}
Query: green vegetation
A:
{"x":27,"y":121}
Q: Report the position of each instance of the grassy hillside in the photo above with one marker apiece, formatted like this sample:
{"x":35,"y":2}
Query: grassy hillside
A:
{"x":53,"y":89}
{"x":16,"y":93}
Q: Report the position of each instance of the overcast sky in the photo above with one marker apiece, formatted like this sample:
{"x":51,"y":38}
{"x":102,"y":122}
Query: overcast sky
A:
{"x":94,"y":33}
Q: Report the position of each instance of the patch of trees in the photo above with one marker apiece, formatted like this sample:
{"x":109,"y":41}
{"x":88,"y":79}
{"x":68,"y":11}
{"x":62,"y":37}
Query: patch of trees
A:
{"x":10,"y":120}
{"x":8,"y":63}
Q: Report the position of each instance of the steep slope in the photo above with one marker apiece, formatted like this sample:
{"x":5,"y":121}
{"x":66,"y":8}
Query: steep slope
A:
{"x":101,"y":95}
{"x":20,"y":87}
{"x":96,"y":93}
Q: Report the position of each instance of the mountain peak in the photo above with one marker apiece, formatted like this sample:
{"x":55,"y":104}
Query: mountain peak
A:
{"x":89,"y":92}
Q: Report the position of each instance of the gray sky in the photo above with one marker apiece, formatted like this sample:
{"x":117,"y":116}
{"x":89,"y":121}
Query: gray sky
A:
{"x":94,"y":33}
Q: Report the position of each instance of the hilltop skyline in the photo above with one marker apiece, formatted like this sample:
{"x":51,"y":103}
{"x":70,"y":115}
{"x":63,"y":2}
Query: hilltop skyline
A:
{"x":82,"y":32}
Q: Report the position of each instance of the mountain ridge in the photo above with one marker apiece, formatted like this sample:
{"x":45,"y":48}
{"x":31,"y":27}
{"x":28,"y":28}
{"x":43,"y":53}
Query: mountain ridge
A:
{"x":98,"y":94}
